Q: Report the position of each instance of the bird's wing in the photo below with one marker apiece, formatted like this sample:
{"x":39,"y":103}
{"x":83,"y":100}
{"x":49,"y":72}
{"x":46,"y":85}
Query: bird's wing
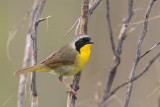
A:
{"x":64,"y":56}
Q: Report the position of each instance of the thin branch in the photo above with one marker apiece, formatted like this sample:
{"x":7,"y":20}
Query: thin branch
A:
{"x":142,"y":21}
{"x":138,"y":54}
{"x":153,"y":92}
{"x":77,"y":27}
{"x":84,"y":17}
{"x":42,"y":19}
{"x":36,"y":17}
{"x":86,"y":11}
{"x":110,"y":26}
{"x":118,"y":51}
{"x":91,"y":9}
{"x":83,"y":30}
{"x":93,"y":6}
{"x":34,"y":103}
{"x":144,"y":70}
{"x":75,"y":87}
{"x":72,"y":27}
{"x":150,"y":50}
{"x":22,"y":79}
{"x":8,"y":99}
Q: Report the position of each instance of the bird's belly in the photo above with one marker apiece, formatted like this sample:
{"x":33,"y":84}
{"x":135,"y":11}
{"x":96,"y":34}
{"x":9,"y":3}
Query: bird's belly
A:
{"x":66,"y":70}
{"x":69,"y":70}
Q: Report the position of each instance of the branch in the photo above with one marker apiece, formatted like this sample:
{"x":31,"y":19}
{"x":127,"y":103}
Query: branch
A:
{"x":91,"y":9}
{"x":118,"y":50}
{"x":36,"y":17}
{"x":75,"y":87}
{"x":110,"y":26}
{"x":84,"y":17}
{"x":150,"y":50}
{"x":86,"y":11}
{"x":42,"y":19}
{"x":138,"y":54}
{"x":22,"y":79}
{"x":144,"y":70}
{"x":93,"y":6}
{"x":83,"y":30}
{"x":72,"y":27}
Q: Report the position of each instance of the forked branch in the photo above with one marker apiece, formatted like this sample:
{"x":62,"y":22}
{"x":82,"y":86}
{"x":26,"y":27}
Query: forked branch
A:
{"x":31,"y":35}
{"x":83,"y":30}
{"x":138,"y":54}
{"x":116,"y":50}
{"x":86,"y":11}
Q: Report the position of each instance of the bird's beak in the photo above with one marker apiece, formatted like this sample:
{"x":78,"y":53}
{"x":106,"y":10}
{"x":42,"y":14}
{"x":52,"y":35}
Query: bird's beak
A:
{"x":91,"y":42}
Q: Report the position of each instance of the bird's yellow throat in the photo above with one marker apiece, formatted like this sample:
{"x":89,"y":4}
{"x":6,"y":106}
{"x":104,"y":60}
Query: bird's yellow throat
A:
{"x":84,"y":54}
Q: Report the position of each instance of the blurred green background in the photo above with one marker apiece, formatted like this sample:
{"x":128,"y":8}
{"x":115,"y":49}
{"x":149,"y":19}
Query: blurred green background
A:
{"x":64,"y":13}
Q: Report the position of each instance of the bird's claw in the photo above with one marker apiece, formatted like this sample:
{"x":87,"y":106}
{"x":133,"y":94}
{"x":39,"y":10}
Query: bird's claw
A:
{"x":73,"y":93}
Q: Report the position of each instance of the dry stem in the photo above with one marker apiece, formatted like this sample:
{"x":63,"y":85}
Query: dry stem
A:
{"x":143,"y":71}
{"x":116,"y":50}
{"x":32,"y":33}
{"x":138,"y":54}
{"x":86,"y":11}
{"x":91,"y":9}
{"x":36,"y":20}
{"x":83,"y":30}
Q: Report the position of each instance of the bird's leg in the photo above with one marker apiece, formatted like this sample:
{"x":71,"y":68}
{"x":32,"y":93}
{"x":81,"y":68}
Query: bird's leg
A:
{"x":71,"y":90}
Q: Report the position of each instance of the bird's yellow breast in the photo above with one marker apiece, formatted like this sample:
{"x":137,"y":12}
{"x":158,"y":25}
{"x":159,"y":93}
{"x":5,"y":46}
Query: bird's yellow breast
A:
{"x":83,"y":55}
{"x":80,"y":61}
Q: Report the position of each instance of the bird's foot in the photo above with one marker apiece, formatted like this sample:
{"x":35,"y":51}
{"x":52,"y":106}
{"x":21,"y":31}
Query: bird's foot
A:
{"x":73,"y":93}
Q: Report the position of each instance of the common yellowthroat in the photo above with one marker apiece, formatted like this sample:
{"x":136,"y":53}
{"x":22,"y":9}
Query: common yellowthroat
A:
{"x":66,"y":61}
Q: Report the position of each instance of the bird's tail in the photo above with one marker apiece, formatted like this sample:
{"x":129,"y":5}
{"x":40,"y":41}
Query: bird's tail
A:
{"x":38,"y":67}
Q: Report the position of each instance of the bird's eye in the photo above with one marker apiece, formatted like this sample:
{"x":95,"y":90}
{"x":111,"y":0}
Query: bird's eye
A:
{"x":81,"y":41}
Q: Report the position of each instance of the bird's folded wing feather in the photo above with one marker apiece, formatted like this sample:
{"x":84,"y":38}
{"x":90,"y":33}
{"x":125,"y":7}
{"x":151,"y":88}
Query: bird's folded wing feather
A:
{"x":64,"y":56}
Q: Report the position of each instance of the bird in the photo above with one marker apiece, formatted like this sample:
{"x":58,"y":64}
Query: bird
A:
{"x":67,"y":61}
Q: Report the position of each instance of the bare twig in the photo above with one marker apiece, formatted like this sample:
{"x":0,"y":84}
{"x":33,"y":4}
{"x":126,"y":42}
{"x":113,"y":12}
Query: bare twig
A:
{"x":42,"y":19}
{"x":144,"y":70}
{"x":32,"y":32}
{"x":34,"y":102}
{"x":36,"y":20}
{"x":138,"y":54}
{"x":85,"y":12}
{"x":8,"y":99}
{"x":84,"y":17}
{"x":110,"y":26}
{"x":22,"y":80}
{"x":150,"y":50}
{"x":91,"y":9}
{"x":93,"y":6}
{"x":83,"y":30}
{"x":153,"y":92}
{"x":75,"y":87}
{"x":142,"y":21}
{"x":72,"y":27}
{"x":77,"y":27}
{"x":118,"y":50}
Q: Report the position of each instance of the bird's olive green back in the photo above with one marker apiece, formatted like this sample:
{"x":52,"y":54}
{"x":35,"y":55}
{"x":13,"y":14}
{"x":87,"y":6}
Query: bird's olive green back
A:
{"x":64,"y":56}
